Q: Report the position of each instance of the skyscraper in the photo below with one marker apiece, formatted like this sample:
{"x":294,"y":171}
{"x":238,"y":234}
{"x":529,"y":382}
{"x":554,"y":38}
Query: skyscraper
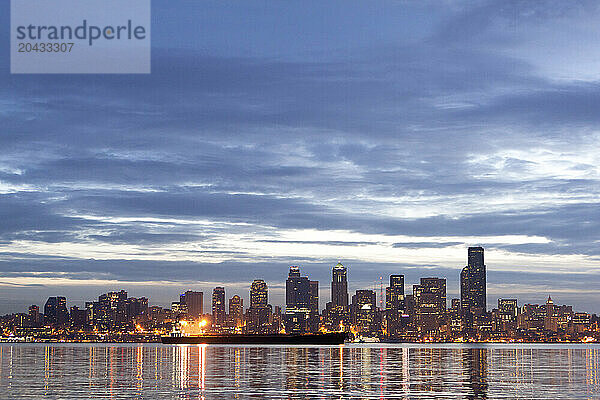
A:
{"x":35,"y":319}
{"x":260,"y":312}
{"x":194,"y":302}
{"x":259,"y":294}
{"x":394,"y":304}
{"x":364,"y":312}
{"x":339,"y":286}
{"x":430,"y":303}
{"x":314,"y":296}
{"x":236,"y":311}
{"x":218,"y":308}
{"x":298,"y":302}
{"x":297,"y":290}
{"x":314,"y":305}
{"x":55,"y":311}
{"x":473,"y":284}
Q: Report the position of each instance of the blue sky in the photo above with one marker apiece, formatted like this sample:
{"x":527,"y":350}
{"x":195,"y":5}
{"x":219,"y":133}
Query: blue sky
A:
{"x":388,"y":135}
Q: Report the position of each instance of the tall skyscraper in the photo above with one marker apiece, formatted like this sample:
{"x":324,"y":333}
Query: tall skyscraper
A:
{"x":112,"y":311}
{"x":55,"y":311}
{"x":394,"y":305}
{"x":314,"y":305}
{"x":298,"y":302}
{"x":35,"y":319}
{"x":363,"y":315}
{"x":314,"y":296}
{"x":430,"y":303}
{"x":194,"y":302}
{"x":259,"y":314}
{"x":259,"y":294}
{"x":297,"y":290}
{"x":339,"y":286}
{"x":218,"y":308}
{"x":236,"y":311}
{"x":473,"y":284}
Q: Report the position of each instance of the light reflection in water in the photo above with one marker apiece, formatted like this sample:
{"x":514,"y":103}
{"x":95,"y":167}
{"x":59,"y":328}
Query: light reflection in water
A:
{"x":348,"y":371}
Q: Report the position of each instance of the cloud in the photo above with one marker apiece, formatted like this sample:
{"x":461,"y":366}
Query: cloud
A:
{"x":412,"y":138}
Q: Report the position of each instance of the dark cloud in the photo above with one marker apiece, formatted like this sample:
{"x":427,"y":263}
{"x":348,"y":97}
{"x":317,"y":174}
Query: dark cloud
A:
{"x":428,"y":129}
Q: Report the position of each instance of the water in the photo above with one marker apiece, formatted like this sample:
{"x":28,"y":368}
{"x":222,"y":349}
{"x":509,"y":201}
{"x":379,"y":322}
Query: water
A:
{"x":149,"y":371}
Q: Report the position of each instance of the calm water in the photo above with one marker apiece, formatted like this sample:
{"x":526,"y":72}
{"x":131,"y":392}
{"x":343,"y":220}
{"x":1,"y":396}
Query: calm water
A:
{"x":81,"y":371}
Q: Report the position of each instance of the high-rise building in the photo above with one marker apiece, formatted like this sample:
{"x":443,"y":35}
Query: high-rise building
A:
{"x":35,"y":318}
{"x":298,"y":302}
{"x":236,"y":311}
{"x":314,"y":305}
{"x":112,"y":311}
{"x":259,"y":315}
{"x":136,"y":307}
{"x":297,"y":290}
{"x":339,"y":286}
{"x":508,"y":307}
{"x":259,"y":294}
{"x":194,"y":302}
{"x":314,"y":296}
{"x":473,"y":284}
{"x":364,"y":312}
{"x":551,"y":317}
{"x":77,"y":317}
{"x":394,"y":305}
{"x":430,"y":303}
{"x":337,"y":312}
{"x":55,"y":311}
{"x":218,"y":308}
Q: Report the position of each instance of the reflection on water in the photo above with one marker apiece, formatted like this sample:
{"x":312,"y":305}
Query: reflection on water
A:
{"x":81,"y":371}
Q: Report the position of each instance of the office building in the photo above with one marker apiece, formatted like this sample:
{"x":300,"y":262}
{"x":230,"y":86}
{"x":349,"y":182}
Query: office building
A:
{"x":395,"y":314}
{"x":430,"y":304}
{"x":55,"y":311}
{"x":298,"y":302}
{"x":259,"y":315}
{"x":364,"y":312}
{"x":473,"y":284}
{"x":194,"y":302}
{"x":236,"y":311}
{"x":218,"y":308}
{"x":339,"y":286}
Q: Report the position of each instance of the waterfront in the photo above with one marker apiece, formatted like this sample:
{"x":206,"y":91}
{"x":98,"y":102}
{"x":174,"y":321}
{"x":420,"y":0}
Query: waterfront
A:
{"x":153,"y":371}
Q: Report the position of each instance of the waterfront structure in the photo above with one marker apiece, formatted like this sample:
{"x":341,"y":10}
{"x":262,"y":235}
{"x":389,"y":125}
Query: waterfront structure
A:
{"x":218,"y":308}
{"x":420,"y":315}
{"x":194,"y":302}
{"x":473,"y":292}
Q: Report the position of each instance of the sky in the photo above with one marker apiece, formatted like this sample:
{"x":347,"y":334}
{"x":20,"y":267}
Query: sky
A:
{"x":387,"y":135}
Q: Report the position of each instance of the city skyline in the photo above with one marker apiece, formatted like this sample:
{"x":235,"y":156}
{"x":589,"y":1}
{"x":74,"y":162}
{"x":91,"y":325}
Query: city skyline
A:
{"x":420,"y":314}
{"x":277,"y":289}
{"x":390,"y":136}
{"x":471,"y":295}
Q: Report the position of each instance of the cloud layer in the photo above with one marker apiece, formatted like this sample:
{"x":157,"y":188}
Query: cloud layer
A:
{"x":356,"y":135}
